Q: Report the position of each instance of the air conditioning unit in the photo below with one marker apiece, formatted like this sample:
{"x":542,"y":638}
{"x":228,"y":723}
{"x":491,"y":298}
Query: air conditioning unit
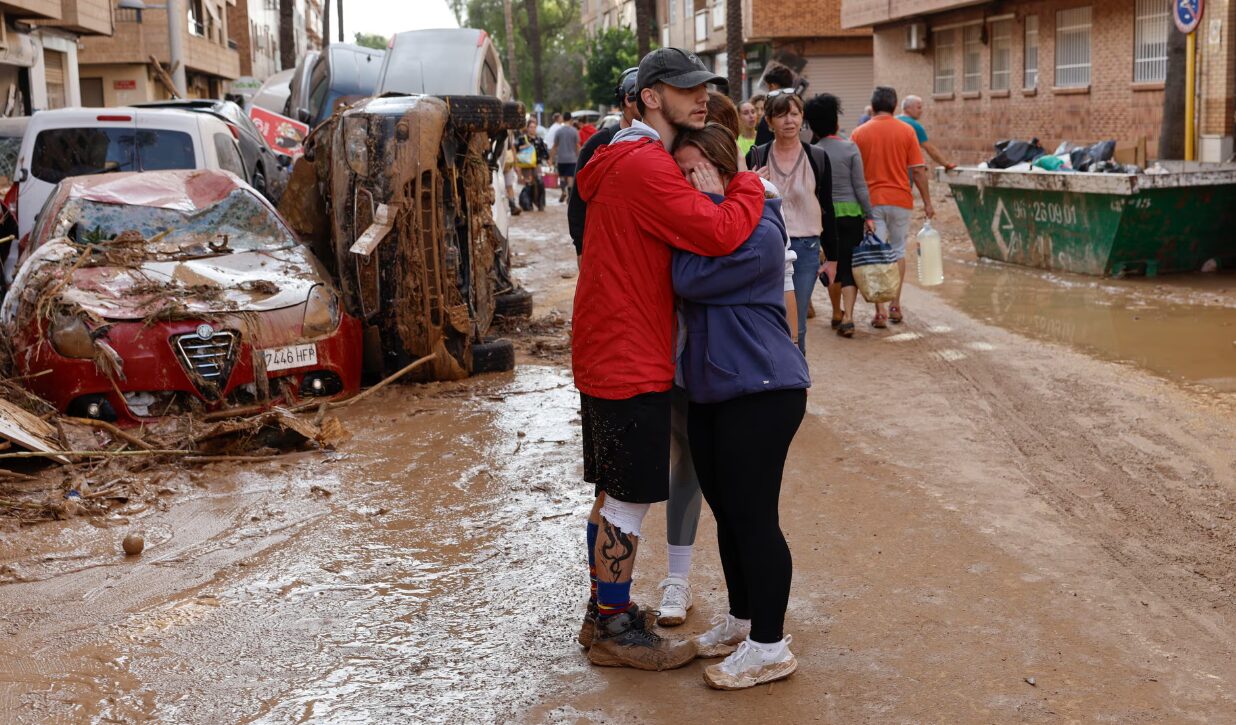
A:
{"x":916,"y":37}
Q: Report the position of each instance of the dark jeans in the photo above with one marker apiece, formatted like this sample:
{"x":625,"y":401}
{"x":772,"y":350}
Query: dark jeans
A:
{"x":739,"y":448}
{"x":532,"y":178}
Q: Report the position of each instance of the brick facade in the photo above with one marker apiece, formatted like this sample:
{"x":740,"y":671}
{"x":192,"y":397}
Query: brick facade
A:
{"x":799,"y":19}
{"x":965,"y":125}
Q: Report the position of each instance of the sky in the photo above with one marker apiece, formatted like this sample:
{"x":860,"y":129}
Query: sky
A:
{"x":386,"y":17}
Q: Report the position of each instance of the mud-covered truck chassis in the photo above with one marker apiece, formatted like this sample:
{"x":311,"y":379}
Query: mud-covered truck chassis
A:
{"x":396,"y":195}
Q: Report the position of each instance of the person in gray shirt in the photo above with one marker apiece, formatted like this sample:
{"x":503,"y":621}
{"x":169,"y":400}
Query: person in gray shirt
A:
{"x":566,"y":153}
{"x":851,"y":204}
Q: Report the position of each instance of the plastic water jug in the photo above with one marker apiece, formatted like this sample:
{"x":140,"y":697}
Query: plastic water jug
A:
{"x":930,"y":259}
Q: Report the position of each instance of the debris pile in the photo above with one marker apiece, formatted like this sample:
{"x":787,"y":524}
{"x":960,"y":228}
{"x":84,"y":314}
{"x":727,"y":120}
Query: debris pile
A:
{"x":1018,"y":155}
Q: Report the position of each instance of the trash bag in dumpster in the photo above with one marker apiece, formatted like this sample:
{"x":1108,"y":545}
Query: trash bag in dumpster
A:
{"x":1011,"y":152}
{"x":874,"y":264}
{"x":1049,"y":163}
{"x":1086,"y":156}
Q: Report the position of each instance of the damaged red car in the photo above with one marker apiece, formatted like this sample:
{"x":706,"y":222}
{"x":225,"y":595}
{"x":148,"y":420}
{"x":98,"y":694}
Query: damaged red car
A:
{"x":160,"y":293}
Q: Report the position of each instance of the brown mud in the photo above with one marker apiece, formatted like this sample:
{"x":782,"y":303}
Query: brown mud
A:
{"x":987,"y":525}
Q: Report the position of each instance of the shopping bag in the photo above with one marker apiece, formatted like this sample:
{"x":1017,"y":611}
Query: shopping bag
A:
{"x":525,"y":198}
{"x":525,"y":158}
{"x":875,"y":269}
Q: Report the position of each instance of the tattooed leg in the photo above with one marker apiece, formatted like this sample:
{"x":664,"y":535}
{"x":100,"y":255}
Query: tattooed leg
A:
{"x":615,"y":553}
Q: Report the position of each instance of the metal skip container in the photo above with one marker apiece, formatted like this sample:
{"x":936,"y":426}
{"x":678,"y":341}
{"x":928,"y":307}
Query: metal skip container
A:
{"x":1101,"y":224}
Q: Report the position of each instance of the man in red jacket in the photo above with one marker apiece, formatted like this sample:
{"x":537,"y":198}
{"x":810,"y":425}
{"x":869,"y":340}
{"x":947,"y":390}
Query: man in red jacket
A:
{"x":639,"y":207}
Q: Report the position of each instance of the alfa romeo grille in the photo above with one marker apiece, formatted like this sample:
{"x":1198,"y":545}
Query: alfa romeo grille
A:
{"x":210,"y":358}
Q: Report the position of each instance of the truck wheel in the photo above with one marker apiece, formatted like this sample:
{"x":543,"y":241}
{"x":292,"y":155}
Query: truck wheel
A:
{"x":516,"y":303}
{"x":493,"y":356}
{"x":483,"y":114}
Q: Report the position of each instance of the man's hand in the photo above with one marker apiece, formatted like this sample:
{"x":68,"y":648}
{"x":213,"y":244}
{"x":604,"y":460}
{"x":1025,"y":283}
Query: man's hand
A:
{"x":928,"y":209}
{"x":706,"y":178}
{"x":869,"y":226}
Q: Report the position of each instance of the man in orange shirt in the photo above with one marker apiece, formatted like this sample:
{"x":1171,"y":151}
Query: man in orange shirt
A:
{"x":889,"y":148}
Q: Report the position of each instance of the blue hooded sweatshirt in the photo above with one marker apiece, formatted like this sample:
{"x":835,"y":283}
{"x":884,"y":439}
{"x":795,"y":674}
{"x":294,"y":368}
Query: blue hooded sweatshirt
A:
{"x":738,"y":340}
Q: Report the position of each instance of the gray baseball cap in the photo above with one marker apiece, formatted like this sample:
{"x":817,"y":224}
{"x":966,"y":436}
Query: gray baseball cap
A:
{"x":677,"y":68}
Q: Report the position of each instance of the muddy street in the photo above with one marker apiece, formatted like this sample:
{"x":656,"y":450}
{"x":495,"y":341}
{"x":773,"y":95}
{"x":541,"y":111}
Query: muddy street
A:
{"x":1015,"y":507}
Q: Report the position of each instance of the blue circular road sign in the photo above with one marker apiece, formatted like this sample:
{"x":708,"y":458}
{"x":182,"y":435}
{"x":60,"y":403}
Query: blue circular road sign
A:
{"x":1187,"y":14}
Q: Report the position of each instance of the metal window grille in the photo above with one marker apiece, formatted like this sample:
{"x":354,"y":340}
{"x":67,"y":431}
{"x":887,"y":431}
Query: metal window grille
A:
{"x":1001,"y":54}
{"x":718,"y":14}
{"x":701,"y":26}
{"x":1030,"y":54}
{"x":972,"y":58}
{"x":944,"y":70}
{"x":1150,"y":40}
{"x":1073,"y":47}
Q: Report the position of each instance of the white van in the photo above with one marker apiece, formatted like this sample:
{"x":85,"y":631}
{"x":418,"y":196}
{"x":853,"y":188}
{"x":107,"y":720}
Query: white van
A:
{"x":82,"y":141}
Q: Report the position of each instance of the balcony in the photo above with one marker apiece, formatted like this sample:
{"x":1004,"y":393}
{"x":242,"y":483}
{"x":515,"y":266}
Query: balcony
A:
{"x":860,"y":13}
{"x":85,"y":17}
{"x":32,"y":9}
{"x":139,"y":35}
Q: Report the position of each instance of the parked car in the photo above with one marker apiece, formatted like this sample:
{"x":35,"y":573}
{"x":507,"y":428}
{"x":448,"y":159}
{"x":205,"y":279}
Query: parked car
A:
{"x":341,"y":73}
{"x":263,"y":166}
{"x":78,"y":141}
{"x":298,"y":85}
{"x":165,"y":292}
{"x":461,"y":62}
{"x":274,"y":92}
{"x":406,"y":223}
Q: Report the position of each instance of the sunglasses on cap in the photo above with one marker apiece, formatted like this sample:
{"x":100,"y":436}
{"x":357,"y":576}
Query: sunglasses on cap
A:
{"x":779,"y":92}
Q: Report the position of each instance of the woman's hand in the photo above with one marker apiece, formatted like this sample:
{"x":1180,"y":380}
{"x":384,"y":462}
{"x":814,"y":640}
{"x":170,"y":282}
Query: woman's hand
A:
{"x":763,"y":172}
{"x":830,"y":269}
{"x":870,"y":226}
{"x":706,"y":178}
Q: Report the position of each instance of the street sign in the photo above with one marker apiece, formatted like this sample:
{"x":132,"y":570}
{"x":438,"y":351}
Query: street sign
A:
{"x":1187,"y":14}
{"x":540,"y":107}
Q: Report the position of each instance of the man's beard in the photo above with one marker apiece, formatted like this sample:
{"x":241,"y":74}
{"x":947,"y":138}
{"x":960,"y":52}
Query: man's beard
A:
{"x":682,"y":121}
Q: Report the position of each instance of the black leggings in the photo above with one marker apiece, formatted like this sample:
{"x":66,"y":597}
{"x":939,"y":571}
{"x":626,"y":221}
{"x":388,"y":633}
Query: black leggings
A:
{"x":739,"y":448}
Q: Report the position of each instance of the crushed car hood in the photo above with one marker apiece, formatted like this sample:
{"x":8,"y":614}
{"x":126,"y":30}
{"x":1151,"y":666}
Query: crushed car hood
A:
{"x":237,"y":282}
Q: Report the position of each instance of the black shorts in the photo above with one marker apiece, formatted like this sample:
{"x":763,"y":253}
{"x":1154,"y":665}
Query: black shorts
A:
{"x":566,"y":170}
{"x":849,"y":235}
{"x":627,"y":446}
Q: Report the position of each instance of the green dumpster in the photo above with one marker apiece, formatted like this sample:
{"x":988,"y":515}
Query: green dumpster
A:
{"x":1101,"y":224}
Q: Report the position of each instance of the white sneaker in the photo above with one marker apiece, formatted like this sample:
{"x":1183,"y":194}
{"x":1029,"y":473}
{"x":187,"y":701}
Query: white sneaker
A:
{"x":727,"y":633}
{"x":675,"y":602}
{"x":752,"y":664}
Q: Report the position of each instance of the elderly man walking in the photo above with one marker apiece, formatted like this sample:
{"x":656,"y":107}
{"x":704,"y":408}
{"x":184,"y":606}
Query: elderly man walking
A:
{"x":911,"y":112}
{"x":891,"y":157}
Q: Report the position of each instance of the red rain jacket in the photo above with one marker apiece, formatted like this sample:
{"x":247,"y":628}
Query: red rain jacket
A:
{"x":639,"y":206}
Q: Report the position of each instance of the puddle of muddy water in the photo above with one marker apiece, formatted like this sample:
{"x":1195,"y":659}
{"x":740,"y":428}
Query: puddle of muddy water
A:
{"x":1180,"y":327}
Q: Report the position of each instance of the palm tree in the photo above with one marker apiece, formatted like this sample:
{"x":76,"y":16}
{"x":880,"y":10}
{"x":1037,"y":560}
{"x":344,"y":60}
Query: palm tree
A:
{"x":512,"y":73}
{"x":533,"y":36}
{"x":643,"y":25}
{"x":287,"y":34}
{"x":735,"y":54}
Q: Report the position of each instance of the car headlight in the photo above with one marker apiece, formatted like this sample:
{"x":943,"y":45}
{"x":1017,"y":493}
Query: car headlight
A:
{"x":71,"y":338}
{"x":356,"y":143}
{"x":321,"y":312}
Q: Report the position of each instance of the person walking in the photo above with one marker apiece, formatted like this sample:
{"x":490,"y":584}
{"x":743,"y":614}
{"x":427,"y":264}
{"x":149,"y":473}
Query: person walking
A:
{"x":566,"y":153}
{"x":639,"y":208}
{"x":777,"y":77}
{"x":911,"y":113}
{"x":803,"y":175}
{"x":851,"y":204}
{"x":577,"y":208}
{"x":552,"y":131}
{"x":748,"y":117}
{"x":530,"y":152}
{"x":891,"y":157}
{"x":747,"y":388}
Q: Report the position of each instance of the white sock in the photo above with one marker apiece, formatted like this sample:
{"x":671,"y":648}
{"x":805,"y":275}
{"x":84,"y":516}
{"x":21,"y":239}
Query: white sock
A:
{"x":680,"y":561}
{"x":767,"y":650}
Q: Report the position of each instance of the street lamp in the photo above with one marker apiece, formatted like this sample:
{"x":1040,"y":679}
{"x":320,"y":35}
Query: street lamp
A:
{"x":175,"y":14}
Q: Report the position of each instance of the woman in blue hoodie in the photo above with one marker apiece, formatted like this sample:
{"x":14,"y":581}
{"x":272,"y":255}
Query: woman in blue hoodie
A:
{"x":747,"y":384}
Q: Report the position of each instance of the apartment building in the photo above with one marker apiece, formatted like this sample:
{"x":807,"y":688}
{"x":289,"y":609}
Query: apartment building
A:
{"x":806,"y":35}
{"x":38,"y":51}
{"x":1075,"y":70}
{"x":253,"y":25}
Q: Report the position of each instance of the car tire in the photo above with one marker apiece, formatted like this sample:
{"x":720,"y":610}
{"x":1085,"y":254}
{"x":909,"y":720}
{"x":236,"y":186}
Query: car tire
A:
{"x":516,"y":303}
{"x":477,"y":114}
{"x":493,"y":356}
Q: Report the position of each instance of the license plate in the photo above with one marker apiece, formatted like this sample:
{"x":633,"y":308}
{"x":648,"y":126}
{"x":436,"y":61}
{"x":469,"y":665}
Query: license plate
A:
{"x":292,"y":356}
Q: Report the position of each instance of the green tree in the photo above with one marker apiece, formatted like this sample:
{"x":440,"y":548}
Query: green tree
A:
{"x":609,"y":53}
{"x":560,"y":37}
{"x":371,"y":40}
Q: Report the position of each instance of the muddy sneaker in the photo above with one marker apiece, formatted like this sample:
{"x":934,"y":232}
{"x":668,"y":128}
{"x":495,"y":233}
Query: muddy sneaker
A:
{"x":726,"y":634}
{"x":624,"y":640}
{"x":675,"y":602}
{"x":589,"y":627}
{"x":752,"y":664}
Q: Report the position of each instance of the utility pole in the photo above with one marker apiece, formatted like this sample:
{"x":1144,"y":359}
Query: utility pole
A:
{"x":175,"y":20}
{"x":339,"y":20}
{"x":512,"y":71}
{"x":325,"y":24}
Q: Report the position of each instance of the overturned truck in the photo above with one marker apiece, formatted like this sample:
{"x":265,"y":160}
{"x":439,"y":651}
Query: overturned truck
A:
{"x":396,"y":194}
